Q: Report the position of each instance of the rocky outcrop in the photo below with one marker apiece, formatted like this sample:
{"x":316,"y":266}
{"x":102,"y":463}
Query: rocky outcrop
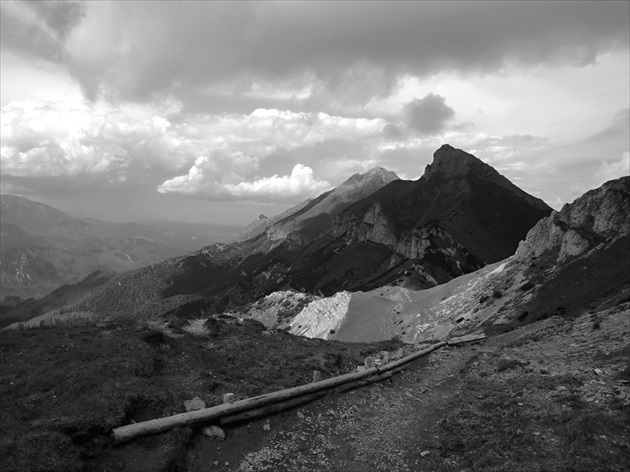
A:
{"x":321,"y":317}
{"x":599,"y":216}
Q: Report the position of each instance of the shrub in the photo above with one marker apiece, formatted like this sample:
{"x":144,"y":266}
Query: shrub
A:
{"x":507,"y":364}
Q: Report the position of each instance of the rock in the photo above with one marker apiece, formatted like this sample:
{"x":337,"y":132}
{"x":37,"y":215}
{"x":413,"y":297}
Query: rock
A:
{"x":384,"y":357}
{"x":561,"y":389}
{"x":229,"y":398}
{"x":598,"y":214}
{"x":317,"y":376}
{"x":194,"y":404}
{"x":398,"y":354}
{"x":266,"y":427}
{"x":213,"y":432}
{"x":424,"y":453}
{"x":300,"y":415}
{"x":598,"y":371}
{"x":361,"y":368}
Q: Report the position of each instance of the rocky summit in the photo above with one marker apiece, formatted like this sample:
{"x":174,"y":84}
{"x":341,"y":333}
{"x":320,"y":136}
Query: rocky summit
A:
{"x":459,"y":199}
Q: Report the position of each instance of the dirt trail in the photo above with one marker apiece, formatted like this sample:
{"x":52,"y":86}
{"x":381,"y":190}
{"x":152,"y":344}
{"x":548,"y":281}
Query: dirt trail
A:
{"x":386,"y":426}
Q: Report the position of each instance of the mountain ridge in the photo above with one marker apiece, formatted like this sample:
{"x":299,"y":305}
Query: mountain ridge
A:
{"x":309,"y":252}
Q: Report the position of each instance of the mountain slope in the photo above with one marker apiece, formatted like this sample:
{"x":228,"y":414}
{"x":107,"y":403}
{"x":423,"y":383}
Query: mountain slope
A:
{"x":43,"y":248}
{"x":314,"y":218}
{"x":570,"y":262}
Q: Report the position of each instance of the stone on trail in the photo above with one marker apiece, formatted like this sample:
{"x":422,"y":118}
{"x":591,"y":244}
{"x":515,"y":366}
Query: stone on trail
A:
{"x":194,"y":404}
{"x":398,"y":354}
{"x":598,"y":371}
{"x":229,"y":398}
{"x":214,"y":432}
{"x":424,"y":453}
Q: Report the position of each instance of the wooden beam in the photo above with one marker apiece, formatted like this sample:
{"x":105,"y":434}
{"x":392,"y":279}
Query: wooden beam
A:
{"x":206,"y":415}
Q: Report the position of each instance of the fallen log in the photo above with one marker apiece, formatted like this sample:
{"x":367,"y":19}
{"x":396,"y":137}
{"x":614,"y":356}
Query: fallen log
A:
{"x":276,"y":407}
{"x":131,"y":431}
{"x":273,"y":408}
{"x":206,"y":415}
{"x":469,"y":338}
{"x":412,"y":357}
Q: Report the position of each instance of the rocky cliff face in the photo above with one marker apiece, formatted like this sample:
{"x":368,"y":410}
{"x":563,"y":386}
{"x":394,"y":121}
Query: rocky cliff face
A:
{"x":599,"y":216}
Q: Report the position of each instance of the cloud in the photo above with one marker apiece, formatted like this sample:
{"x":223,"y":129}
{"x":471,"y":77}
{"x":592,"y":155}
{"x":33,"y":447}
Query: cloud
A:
{"x":206,"y":178}
{"x":342,"y":53}
{"x":39,"y":28}
{"x":614,"y":169}
{"x":144,"y":146}
{"x":428,"y":115}
{"x":70,"y":138}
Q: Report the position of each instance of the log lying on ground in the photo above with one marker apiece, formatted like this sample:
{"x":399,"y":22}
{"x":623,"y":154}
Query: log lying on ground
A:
{"x":285,"y":405}
{"x":469,"y":338}
{"x":273,"y":408}
{"x":131,"y":431}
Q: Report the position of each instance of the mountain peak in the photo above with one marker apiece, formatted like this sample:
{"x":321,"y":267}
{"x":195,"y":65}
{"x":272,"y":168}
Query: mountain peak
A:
{"x":384,"y":176}
{"x":453,"y":161}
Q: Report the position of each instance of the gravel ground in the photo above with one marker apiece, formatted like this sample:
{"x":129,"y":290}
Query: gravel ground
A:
{"x":381,"y":427}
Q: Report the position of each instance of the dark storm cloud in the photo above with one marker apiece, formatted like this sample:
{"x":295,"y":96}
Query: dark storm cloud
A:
{"x":60,"y":16}
{"x":351,"y":49}
{"x":428,"y":115}
{"x":39,"y":28}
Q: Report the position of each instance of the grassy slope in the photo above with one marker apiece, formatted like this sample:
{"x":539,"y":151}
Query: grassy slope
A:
{"x":64,"y":389}
{"x":536,"y":404}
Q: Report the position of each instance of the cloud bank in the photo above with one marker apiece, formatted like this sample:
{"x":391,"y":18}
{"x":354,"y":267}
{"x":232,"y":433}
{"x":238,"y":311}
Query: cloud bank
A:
{"x":205,"y":178}
{"x":318,"y":51}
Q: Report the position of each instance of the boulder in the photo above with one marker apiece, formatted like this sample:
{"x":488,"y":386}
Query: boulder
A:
{"x":194,"y":404}
{"x":214,"y":432}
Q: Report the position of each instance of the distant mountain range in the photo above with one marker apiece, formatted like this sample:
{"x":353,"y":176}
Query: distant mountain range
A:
{"x":372,"y":230}
{"x":44,"y":248}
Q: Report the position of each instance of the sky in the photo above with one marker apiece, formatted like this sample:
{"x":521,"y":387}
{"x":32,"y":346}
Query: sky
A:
{"x":216,"y":112}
